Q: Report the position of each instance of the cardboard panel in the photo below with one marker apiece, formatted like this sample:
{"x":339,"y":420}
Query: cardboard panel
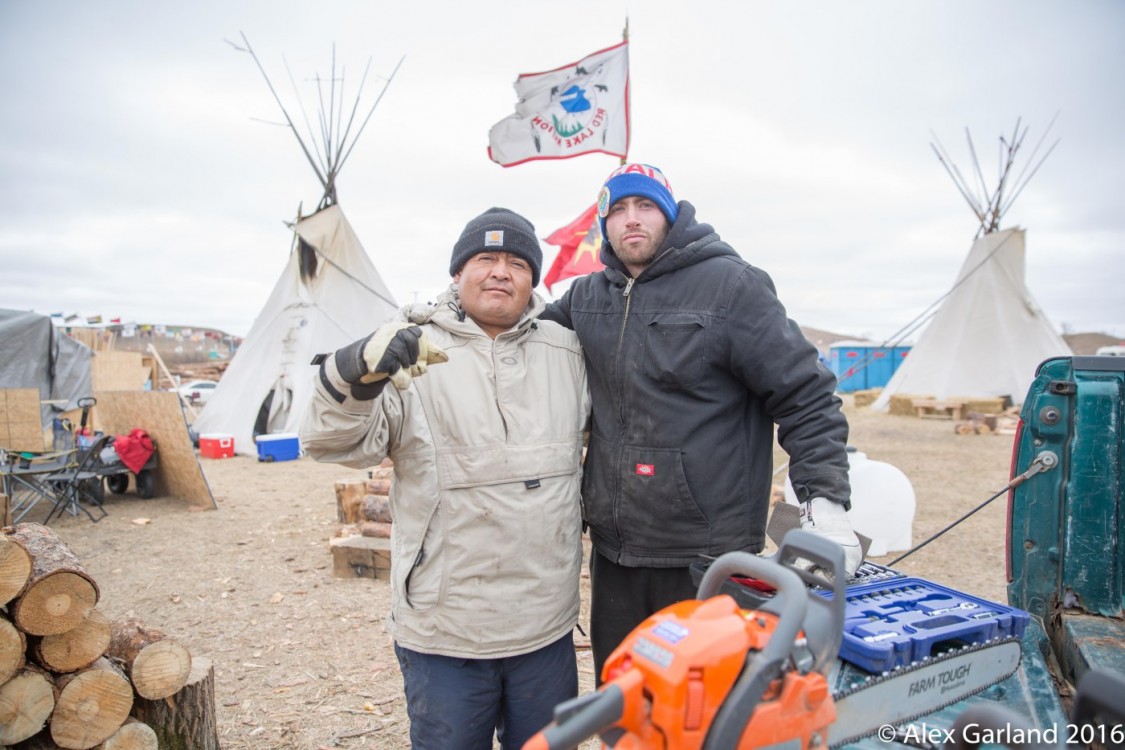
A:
{"x":158,"y":413}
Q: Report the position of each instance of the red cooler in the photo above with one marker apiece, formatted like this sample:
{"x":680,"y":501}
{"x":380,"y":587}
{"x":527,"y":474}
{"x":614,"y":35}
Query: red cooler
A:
{"x":216,"y":445}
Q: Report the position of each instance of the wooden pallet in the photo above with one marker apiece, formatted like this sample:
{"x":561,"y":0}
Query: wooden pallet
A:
{"x":932,"y":408}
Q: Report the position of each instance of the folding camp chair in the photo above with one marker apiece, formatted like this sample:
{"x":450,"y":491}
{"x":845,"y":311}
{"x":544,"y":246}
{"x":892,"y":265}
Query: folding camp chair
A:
{"x":79,"y":486}
{"x":21,"y":478}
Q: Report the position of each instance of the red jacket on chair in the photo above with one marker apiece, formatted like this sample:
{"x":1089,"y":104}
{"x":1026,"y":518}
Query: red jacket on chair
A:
{"x":134,"y":449}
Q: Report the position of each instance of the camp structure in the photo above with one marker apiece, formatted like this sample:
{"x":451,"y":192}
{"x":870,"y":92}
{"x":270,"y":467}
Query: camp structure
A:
{"x":36,"y":355}
{"x":987,"y":335}
{"x":329,"y":295}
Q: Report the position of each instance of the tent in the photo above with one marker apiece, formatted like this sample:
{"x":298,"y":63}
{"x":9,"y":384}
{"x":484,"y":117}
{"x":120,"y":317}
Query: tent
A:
{"x":33,"y":354}
{"x":989,"y":335}
{"x":329,"y":295}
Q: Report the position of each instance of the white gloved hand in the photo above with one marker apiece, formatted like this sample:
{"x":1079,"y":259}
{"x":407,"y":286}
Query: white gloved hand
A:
{"x":400,"y":351}
{"x":825,"y":518}
{"x":396,"y":351}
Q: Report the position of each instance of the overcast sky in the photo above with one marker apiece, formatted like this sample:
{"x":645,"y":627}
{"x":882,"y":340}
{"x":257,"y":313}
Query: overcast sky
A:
{"x":140,"y":177}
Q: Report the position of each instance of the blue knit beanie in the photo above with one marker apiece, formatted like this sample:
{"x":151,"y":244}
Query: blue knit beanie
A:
{"x":636,"y":179}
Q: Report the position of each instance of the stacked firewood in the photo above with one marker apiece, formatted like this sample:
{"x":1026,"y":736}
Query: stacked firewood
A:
{"x":363,"y":507}
{"x":70,"y":678}
{"x":361,"y":547}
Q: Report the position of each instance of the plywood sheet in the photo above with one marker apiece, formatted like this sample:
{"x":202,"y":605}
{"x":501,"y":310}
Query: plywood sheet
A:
{"x":20,"y":426}
{"x":158,"y":413}
{"x":118,"y":371}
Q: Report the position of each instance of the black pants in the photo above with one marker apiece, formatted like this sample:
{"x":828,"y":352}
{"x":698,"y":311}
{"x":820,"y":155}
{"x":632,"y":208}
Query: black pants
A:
{"x":621,"y":598}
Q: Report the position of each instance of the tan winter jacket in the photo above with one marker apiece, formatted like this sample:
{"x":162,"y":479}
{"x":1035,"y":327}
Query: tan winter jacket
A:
{"x":486,"y":546}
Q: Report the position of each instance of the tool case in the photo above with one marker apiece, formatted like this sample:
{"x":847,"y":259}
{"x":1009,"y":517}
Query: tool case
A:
{"x":892,"y":623}
{"x":892,"y":620}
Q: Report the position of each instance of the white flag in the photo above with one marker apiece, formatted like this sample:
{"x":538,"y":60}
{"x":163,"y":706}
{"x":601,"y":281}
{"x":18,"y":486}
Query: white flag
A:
{"x":581,"y":108}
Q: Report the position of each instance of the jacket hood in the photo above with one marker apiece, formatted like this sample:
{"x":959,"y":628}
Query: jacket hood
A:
{"x":688,"y":242}
{"x":447,"y":313}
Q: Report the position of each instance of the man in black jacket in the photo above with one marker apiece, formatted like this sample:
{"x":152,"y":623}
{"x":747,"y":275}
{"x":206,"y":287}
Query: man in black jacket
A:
{"x":691,"y":362}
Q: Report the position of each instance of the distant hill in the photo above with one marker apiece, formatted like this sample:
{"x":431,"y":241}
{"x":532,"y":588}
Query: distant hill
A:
{"x":1089,"y":343}
{"x":823,"y":339}
{"x":176,"y":344}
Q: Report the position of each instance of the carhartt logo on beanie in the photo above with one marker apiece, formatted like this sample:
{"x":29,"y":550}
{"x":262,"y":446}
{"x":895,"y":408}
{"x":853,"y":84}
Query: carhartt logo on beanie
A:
{"x":498,"y":229}
{"x":637,"y":179}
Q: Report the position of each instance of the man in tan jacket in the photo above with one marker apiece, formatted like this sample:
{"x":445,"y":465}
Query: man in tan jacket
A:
{"x":486,"y":446}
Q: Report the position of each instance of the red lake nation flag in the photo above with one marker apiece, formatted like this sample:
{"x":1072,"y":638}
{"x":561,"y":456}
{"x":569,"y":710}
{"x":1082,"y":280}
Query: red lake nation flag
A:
{"x":580,"y":108}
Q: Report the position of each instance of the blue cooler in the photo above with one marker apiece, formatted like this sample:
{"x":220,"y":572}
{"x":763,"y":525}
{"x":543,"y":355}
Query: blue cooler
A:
{"x":283,"y":446}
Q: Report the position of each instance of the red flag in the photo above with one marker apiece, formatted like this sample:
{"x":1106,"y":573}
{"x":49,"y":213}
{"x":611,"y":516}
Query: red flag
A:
{"x":579,"y":243}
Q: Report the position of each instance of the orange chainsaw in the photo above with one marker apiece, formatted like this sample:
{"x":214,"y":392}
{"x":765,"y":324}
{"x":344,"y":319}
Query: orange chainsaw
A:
{"x":708,"y":674}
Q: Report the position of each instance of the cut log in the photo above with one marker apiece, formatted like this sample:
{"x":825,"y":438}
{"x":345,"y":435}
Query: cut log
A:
{"x":26,"y":701}
{"x":361,"y":557}
{"x":375,"y":529}
{"x":75,"y":649}
{"x":377,"y":508}
{"x":93,"y":703}
{"x":15,"y":568}
{"x":13,"y":649}
{"x":349,"y":499}
{"x":157,"y":665}
{"x":354,"y":501}
{"x":186,"y":720}
{"x":133,"y":735}
{"x":59,"y":594}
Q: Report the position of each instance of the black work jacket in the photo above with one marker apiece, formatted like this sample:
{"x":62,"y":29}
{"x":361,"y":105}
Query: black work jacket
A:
{"x":690,"y":366}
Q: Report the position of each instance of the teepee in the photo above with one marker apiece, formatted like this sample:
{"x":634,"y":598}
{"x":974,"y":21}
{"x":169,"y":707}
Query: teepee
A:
{"x":989,"y":335}
{"x":329,"y":295}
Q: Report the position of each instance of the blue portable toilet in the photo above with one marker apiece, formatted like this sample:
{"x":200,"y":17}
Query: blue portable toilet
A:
{"x":859,"y":365}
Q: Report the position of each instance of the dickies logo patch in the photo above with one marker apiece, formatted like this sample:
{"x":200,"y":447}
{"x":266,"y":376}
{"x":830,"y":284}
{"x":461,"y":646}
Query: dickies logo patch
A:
{"x":494,"y":238}
{"x":646,"y":470}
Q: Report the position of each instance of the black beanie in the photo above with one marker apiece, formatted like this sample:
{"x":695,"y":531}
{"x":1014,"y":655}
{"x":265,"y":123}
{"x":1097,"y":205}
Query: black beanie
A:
{"x":502,"y":230}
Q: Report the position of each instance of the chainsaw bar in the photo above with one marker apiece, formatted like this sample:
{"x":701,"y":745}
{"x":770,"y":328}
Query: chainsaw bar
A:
{"x":918,"y":689}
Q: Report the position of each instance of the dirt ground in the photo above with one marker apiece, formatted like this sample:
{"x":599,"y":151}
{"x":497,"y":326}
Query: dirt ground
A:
{"x":301,"y":658}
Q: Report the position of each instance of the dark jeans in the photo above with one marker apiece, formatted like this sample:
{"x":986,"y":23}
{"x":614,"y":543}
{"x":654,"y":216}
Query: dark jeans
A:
{"x":621,"y":598}
{"x":457,"y":704}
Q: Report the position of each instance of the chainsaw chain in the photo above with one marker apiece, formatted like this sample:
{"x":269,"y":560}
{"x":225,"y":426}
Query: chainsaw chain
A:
{"x":897,"y":672}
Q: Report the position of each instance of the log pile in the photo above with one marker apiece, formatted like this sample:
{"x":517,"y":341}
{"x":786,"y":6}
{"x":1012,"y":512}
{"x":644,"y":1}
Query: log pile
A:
{"x":70,"y":678}
{"x":977,"y":423}
{"x":361,"y":545}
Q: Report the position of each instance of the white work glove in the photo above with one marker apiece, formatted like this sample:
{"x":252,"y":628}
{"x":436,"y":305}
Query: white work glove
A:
{"x":825,"y":518}
{"x":398,"y":351}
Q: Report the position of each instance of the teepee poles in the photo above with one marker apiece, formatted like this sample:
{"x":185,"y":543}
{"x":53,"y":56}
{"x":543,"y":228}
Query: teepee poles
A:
{"x":333,"y":146}
{"x":989,"y":208}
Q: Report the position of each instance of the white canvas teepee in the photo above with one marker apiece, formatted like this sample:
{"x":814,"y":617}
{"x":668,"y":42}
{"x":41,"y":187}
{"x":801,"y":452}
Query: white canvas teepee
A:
{"x":270,"y":380}
{"x":989,"y":335}
{"x":328,"y":296}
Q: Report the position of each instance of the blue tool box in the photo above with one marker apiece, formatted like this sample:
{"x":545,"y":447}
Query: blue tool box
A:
{"x":891,"y":623}
{"x":891,"y":619}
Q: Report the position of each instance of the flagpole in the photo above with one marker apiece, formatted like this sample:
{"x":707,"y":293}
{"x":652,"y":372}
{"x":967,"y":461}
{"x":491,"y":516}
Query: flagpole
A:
{"x":628,"y":107}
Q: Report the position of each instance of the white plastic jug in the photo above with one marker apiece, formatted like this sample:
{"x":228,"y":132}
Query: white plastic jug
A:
{"x":883,"y":504}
